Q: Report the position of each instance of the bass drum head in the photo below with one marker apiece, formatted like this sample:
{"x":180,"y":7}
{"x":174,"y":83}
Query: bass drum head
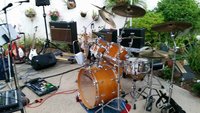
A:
{"x":97,"y":85}
{"x":87,"y":88}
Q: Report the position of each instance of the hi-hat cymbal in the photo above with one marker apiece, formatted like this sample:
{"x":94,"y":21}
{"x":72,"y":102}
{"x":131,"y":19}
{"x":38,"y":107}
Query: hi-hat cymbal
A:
{"x":127,"y":10}
{"x":154,"y":54}
{"x":171,"y":26}
{"x":106,"y":17}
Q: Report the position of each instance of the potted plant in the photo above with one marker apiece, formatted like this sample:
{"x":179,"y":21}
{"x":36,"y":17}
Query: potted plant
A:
{"x":83,"y":14}
{"x":54,"y":15}
{"x":30,"y":13}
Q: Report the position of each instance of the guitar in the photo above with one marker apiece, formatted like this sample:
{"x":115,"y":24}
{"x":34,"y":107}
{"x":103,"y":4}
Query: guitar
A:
{"x":33,"y":51}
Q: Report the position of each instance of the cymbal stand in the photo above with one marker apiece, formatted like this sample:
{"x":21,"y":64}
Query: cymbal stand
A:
{"x":118,"y":98}
{"x":167,"y":107}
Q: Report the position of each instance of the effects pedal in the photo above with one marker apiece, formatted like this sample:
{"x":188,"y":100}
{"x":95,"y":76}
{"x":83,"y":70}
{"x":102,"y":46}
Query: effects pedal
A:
{"x":40,"y":87}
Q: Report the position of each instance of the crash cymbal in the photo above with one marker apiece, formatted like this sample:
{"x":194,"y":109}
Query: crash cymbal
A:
{"x":103,"y":9}
{"x":154,"y":54}
{"x":127,"y":10}
{"x":171,"y":26}
{"x":106,"y":17}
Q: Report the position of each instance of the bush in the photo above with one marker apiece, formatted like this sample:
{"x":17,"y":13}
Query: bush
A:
{"x":196,"y":88}
{"x":180,"y":10}
{"x":193,"y":56}
{"x":167,"y":72}
{"x":150,"y":18}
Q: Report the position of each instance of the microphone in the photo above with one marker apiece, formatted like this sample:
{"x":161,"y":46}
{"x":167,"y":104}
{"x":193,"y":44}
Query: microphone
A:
{"x":9,"y":5}
{"x":23,"y":1}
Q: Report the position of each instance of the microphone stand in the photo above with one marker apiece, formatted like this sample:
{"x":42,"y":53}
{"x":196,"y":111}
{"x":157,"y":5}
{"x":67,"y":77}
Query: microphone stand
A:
{"x":47,"y":42}
{"x":11,"y":65}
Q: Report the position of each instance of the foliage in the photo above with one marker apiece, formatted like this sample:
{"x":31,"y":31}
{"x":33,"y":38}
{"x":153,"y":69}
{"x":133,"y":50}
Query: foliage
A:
{"x":196,"y":88}
{"x":193,"y":56}
{"x":150,"y":18}
{"x":180,"y":10}
{"x":30,"y":13}
{"x":167,"y":72}
{"x":62,"y":45}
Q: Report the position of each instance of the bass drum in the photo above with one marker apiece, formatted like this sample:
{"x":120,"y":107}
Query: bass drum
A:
{"x":96,"y":85}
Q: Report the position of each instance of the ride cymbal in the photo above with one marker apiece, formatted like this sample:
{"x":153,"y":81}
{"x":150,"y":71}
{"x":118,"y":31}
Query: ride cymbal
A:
{"x":154,"y":54}
{"x":171,"y":26}
{"x":127,"y":10}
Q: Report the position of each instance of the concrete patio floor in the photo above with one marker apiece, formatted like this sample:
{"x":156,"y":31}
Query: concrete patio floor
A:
{"x":66,"y":103}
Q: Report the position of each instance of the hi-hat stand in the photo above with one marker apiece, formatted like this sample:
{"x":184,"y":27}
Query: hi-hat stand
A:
{"x":47,"y":41}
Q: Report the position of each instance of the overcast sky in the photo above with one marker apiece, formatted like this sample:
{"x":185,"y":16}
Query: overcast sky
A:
{"x":151,"y":4}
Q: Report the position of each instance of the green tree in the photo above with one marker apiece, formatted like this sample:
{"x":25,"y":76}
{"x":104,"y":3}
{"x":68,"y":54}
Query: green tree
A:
{"x":147,"y":21}
{"x":180,"y":10}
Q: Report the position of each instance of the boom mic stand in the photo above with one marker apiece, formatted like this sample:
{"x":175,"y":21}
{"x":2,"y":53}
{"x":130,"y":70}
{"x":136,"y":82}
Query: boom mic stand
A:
{"x":47,"y":41}
{"x":11,"y":60}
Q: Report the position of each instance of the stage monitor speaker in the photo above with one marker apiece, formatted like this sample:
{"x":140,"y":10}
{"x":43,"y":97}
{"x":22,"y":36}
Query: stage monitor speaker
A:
{"x":42,"y":2}
{"x":138,"y":42}
{"x":63,"y":31}
{"x":43,"y":61}
{"x":109,"y":35}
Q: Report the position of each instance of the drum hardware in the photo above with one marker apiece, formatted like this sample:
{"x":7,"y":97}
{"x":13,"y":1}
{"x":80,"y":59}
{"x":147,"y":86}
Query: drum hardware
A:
{"x":171,"y":27}
{"x":127,"y":10}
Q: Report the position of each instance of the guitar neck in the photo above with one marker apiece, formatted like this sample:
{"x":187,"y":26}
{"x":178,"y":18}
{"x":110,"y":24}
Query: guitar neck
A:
{"x":33,"y":42}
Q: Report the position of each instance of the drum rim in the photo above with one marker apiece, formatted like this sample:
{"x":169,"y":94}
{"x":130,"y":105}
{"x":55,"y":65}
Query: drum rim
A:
{"x":81,"y":92}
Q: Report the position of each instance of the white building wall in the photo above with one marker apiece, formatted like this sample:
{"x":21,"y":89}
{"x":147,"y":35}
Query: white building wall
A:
{"x":17,"y":17}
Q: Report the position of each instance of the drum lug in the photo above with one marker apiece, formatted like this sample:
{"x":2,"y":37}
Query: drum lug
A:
{"x":97,"y":97}
{"x":103,"y":95}
{"x":95,"y":83}
{"x":113,"y":79}
{"x":113,"y":92}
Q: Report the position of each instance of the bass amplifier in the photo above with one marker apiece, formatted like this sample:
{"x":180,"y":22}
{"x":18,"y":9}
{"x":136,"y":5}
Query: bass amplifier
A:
{"x":43,"y":61}
{"x":137,"y":42}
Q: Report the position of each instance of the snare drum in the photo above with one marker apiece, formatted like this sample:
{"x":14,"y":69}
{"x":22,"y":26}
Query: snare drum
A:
{"x":98,"y":48}
{"x":137,"y":67}
{"x":111,"y":54}
{"x":96,"y":85}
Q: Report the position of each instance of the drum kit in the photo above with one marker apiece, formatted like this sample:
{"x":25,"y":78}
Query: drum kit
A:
{"x":99,"y":83}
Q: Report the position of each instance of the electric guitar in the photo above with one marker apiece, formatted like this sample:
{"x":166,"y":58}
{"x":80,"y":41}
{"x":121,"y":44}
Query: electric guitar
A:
{"x":33,"y":51}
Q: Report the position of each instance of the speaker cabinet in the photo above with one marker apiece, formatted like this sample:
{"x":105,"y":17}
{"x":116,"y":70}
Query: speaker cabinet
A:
{"x":61,"y":34}
{"x":109,"y":35}
{"x":63,"y":31}
{"x":42,"y":2}
{"x":137,"y":42}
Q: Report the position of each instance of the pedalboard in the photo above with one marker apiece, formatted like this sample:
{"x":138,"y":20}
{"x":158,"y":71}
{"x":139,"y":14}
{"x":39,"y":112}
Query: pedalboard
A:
{"x":40,"y":86}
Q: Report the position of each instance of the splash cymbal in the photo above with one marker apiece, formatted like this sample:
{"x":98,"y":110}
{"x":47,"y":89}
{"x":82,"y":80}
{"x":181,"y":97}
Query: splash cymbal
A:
{"x":106,"y":17}
{"x":127,"y":10}
{"x":171,"y":26}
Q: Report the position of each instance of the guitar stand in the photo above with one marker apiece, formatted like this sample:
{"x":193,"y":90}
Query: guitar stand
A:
{"x":47,"y":41}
